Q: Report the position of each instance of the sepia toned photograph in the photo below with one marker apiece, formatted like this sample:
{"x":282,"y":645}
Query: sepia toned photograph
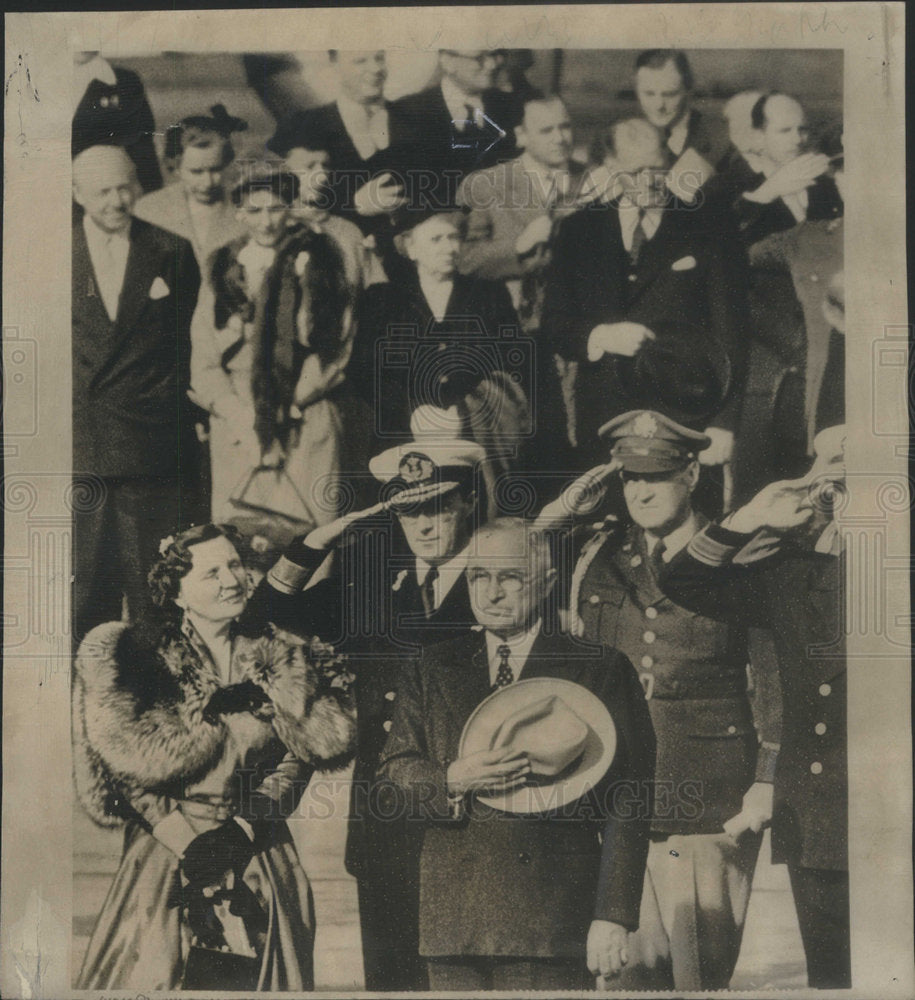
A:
{"x":465,"y":547}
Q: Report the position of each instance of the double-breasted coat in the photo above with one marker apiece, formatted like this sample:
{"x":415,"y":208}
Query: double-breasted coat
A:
{"x":798,"y":594}
{"x":499,"y":884}
{"x":371,"y":608}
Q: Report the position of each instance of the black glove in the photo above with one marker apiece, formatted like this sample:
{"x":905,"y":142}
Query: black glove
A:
{"x":202,"y":920}
{"x":211,"y":854}
{"x":245,"y":696}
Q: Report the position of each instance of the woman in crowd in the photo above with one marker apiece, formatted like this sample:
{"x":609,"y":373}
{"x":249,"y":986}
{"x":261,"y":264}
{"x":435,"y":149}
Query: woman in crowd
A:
{"x":198,"y":734}
{"x":198,"y":152}
{"x":271,"y":339}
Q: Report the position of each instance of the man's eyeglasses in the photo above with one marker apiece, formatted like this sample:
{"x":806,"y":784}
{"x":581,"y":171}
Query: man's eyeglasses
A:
{"x":511,"y":581}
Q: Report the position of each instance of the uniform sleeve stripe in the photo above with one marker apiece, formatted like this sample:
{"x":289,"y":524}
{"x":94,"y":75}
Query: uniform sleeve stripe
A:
{"x":709,"y":551}
{"x":287,"y":577}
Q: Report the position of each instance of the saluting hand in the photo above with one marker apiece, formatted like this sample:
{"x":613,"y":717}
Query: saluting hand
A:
{"x":780,"y":506}
{"x":326,"y":535}
{"x":793,"y":177}
{"x":578,"y":498}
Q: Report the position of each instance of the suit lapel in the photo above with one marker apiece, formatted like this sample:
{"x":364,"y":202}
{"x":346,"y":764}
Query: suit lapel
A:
{"x":465,"y":679}
{"x":142,"y":267}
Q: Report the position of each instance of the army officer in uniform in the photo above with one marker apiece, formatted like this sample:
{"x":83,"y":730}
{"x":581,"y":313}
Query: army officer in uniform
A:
{"x":713,"y":788}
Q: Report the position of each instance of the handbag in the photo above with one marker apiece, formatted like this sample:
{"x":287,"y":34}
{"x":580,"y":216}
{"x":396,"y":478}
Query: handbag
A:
{"x":212,"y":969}
{"x":269,"y":512}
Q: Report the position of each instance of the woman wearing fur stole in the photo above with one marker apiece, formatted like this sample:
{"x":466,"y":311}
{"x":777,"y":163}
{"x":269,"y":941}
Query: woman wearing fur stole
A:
{"x":271,"y":339}
{"x":198,"y":734}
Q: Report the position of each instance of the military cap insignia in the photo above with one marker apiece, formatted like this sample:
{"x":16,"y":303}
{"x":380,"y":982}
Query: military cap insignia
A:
{"x":416,"y":468}
{"x":645,"y":425}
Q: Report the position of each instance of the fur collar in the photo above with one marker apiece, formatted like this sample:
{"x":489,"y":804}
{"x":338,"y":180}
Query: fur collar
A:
{"x":138,"y":708}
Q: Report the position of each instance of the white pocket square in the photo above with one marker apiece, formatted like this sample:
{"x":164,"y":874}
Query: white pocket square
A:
{"x":159,"y":289}
{"x":684,"y":264}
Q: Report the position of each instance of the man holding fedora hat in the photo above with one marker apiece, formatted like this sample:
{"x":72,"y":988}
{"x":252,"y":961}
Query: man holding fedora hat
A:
{"x":647,"y":295}
{"x":528,"y":758}
{"x":713,"y":790}
{"x":387,"y":596}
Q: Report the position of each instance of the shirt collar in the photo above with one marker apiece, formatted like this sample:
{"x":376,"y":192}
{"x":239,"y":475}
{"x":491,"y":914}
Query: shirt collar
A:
{"x":448,"y":572}
{"x":677,"y":140}
{"x":97,"y":236}
{"x":677,"y":539}
{"x":351,"y":110}
{"x":629,"y":218}
{"x":520,"y":646}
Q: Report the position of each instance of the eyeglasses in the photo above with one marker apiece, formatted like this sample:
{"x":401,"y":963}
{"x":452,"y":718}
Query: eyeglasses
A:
{"x":511,"y":581}
{"x":481,"y":59}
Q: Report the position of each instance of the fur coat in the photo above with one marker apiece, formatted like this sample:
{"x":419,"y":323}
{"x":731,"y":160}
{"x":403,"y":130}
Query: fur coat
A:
{"x":138,"y":710}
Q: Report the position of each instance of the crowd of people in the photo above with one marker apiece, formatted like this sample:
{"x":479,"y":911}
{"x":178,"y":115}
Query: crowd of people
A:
{"x":349,"y":411}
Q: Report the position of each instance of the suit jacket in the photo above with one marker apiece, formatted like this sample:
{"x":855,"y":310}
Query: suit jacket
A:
{"x":131,"y":414}
{"x":708,"y":136}
{"x":438,"y":155}
{"x":693,"y":669}
{"x":322,"y":128}
{"x":688,"y":285}
{"x":167,"y":209}
{"x":755,"y":221}
{"x":371,"y":609}
{"x":119,"y":114}
{"x":502,"y":201}
{"x":500,"y":884}
{"x":797,"y":594}
{"x":404,"y":357}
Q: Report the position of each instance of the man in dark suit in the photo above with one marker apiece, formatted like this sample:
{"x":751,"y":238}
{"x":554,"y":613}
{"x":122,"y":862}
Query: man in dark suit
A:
{"x":360,"y":132}
{"x":382,"y":602}
{"x":517,"y":901}
{"x":648,"y":296}
{"x":134,"y":291}
{"x":791,"y":184}
{"x":778,"y":563}
{"x":713,"y":773}
{"x":443,"y":340}
{"x":457,"y":126}
{"x":663,"y":85}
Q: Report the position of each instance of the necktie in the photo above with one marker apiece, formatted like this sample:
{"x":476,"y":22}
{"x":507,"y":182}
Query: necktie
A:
{"x":377,"y":125}
{"x":657,"y":559}
{"x":108,"y":278}
{"x":427,"y":592}
{"x":638,"y":238}
{"x":504,"y":675}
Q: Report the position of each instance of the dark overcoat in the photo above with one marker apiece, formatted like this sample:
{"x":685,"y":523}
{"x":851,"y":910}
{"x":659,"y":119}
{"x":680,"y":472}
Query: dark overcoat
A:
{"x":798,"y":594}
{"x":501,"y":884}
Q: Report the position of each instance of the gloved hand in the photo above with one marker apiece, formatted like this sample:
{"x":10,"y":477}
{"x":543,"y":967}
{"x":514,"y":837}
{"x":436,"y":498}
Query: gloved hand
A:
{"x":212,"y":854}
{"x":245,"y":696}
{"x":201,"y":918}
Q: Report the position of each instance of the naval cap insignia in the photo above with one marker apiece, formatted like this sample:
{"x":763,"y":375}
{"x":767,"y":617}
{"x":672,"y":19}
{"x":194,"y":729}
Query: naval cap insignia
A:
{"x":415,"y":467}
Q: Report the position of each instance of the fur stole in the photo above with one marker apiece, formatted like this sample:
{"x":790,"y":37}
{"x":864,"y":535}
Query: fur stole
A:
{"x":307,"y":301}
{"x":138,"y":709}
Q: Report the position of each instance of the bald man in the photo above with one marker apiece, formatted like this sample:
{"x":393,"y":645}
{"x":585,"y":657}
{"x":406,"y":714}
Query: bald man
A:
{"x":648,"y":298}
{"x":787,"y":183}
{"x":134,"y":290}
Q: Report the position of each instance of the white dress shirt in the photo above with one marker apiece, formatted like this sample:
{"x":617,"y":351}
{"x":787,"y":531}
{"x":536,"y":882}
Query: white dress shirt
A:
{"x":437,"y":294}
{"x":678,"y":539}
{"x":629,"y":219}
{"x":676,"y":142}
{"x":108,"y":253}
{"x":448,"y":575}
{"x":366,"y":124}
{"x":458,"y":102}
{"x":519,"y":645}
